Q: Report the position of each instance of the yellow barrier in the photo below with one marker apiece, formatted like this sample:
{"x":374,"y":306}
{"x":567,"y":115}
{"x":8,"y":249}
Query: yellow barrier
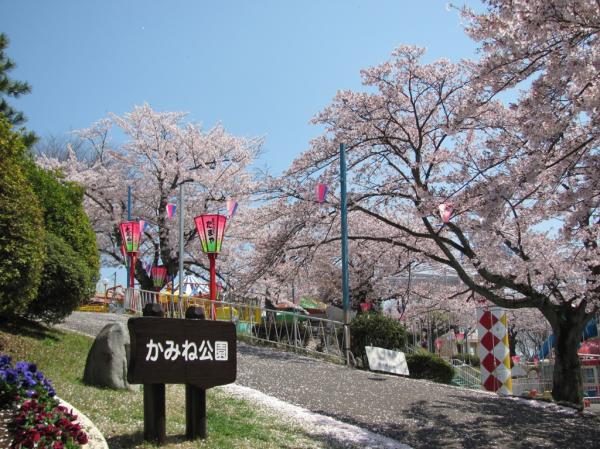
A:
{"x":93,"y":308}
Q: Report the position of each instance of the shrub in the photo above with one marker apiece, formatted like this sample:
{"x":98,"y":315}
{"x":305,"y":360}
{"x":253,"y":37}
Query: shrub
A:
{"x":64,"y":282}
{"x":424,"y":365}
{"x":21,"y":227}
{"x":373,"y":329}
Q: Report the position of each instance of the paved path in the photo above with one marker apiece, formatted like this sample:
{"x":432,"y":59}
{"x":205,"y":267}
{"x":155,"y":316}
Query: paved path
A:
{"x":418,"y":413}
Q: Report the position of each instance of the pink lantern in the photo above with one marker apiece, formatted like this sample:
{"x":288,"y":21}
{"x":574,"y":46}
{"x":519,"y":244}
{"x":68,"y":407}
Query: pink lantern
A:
{"x":159,"y":275}
{"x":211,"y":229}
{"x":130,"y":235}
{"x":321,"y":190}
{"x":446,"y":210}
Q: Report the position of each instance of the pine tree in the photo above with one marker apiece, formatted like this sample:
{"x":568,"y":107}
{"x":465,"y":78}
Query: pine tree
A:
{"x":10,"y":87}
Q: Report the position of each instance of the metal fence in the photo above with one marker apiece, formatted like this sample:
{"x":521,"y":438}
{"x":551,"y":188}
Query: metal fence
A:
{"x":290,"y":330}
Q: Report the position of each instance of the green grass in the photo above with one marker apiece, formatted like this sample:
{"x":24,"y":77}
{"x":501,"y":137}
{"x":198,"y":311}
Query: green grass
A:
{"x":231,"y":422}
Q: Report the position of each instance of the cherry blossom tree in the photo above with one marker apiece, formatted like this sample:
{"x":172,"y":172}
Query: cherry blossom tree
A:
{"x":519,"y":226}
{"x":549,"y":50}
{"x":161,"y":152}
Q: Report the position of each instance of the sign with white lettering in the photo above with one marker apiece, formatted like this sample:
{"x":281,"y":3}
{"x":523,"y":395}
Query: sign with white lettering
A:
{"x":202,"y":353}
{"x":386,"y":360}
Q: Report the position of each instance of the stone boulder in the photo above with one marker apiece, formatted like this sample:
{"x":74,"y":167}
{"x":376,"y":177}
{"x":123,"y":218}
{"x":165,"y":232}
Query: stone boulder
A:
{"x":106,"y":364}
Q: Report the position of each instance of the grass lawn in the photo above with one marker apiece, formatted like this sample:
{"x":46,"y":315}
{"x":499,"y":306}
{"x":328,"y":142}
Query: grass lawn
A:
{"x":231,"y":423}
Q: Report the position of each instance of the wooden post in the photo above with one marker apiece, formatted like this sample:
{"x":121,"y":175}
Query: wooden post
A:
{"x":195,"y":397}
{"x":154,"y":397}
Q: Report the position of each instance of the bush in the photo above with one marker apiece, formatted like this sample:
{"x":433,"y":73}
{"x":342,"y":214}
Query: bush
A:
{"x":424,"y":365}
{"x":64,"y":216}
{"x":64,"y":283}
{"x":21,"y":227}
{"x":373,"y":329}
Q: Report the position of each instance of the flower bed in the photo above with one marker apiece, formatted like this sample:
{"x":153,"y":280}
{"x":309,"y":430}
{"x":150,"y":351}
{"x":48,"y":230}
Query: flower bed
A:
{"x":39,"y":422}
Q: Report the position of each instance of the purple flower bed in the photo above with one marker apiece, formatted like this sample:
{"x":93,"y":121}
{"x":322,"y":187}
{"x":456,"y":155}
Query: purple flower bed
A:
{"x":40,"y":421}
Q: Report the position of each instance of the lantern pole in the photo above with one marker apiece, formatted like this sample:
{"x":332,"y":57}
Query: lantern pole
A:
{"x":132,"y":270}
{"x":129,"y":257}
{"x":212,"y":258}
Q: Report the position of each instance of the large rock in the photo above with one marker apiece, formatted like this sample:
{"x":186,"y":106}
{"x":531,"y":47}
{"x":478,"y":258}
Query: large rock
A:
{"x":106,"y":364}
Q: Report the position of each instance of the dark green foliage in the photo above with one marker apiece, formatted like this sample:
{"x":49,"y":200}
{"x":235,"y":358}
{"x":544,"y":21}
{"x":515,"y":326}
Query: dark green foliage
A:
{"x":22,"y":249}
{"x":374,"y":329}
{"x":64,"y":282}
{"x":469,"y":359}
{"x":66,"y":219}
{"x":9,"y":87}
{"x":424,"y":365}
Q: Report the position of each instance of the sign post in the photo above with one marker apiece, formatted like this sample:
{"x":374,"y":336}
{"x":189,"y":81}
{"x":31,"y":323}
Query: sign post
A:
{"x":155,"y":423}
{"x":198,"y":353}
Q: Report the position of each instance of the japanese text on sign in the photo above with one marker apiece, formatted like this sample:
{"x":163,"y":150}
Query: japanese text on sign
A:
{"x":189,"y":351}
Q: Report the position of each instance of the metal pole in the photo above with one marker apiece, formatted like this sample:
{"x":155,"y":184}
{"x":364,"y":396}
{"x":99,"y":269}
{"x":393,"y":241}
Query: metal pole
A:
{"x":181,"y":248}
{"x":345,"y":275}
{"x":212,"y":258}
{"x":132,"y":270}
{"x":128,"y":256}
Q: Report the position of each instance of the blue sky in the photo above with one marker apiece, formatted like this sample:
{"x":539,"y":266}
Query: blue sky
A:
{"x":262,"y":67}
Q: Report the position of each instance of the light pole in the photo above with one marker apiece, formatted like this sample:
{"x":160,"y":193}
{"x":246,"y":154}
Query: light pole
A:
{"x":130,"y":234}
{"x":345,"y":274}
{"x":211,"y":229}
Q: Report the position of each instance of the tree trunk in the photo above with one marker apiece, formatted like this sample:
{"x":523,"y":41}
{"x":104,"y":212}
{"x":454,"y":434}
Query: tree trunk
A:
{"x":567,"y":379}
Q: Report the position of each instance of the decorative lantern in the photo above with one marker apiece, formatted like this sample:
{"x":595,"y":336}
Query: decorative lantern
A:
{"x":211,"y":229}
{"x":130,"y":233}
{"x":159,"y":276}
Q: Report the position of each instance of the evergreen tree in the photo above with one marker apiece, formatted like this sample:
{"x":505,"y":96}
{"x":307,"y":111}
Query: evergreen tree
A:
{"x":10,"y":87}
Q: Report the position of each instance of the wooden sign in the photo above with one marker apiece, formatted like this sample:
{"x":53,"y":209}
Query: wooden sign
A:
{"x":386,"y":360}
{"x":182,"y":351}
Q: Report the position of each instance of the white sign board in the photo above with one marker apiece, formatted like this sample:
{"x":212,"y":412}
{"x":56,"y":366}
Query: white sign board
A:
{"x":386,"y":360}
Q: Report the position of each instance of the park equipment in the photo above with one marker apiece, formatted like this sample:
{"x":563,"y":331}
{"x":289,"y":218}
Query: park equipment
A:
{"x":590,"y":330}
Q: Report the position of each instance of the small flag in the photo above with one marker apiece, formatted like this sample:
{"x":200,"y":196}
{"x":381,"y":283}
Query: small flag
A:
{"x":321,"y":192}
{"x":446,"y":211}
{"x":171,"y":209}
{"x":231,"y":207}
{"x":143,"y":225}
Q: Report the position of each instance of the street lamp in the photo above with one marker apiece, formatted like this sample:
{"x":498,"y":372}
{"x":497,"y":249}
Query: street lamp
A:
{"x":130,"y":235}
{"x":211,"y":229}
